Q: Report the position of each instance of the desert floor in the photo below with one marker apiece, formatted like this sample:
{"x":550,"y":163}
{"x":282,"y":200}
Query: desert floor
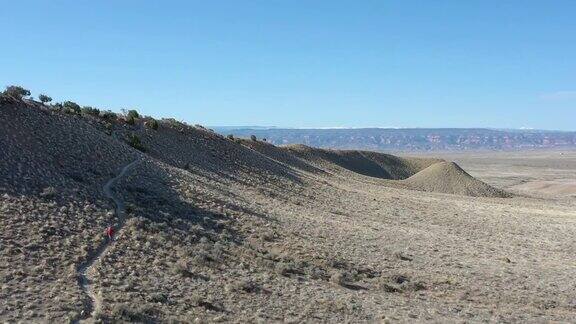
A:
{"x":348,"y":248}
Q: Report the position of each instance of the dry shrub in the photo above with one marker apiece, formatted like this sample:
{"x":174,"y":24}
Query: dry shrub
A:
{"x":158,"y":298}
{"x":132,"y":313}
{"x":181,"y":268}
{"x":244,"y":286}
{"x":48,"y":192}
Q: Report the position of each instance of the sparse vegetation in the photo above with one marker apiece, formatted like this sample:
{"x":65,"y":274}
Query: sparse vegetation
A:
{"x":135,"y":142}
{"x":173,"y":123}
{"x":71,"y":107}
{"x":108,"y":115}
{"x":87,"y":110}
{"x":253,"y":138}
{"x":181,"y":268}
{"x":16,"y":92}
{"x":132,"y":313}
{"x":152,"y":124}
{"x":48,"y":192}
{"x":132,"y":114}
{"x":230,"y":137}
{"x":44,"y":98}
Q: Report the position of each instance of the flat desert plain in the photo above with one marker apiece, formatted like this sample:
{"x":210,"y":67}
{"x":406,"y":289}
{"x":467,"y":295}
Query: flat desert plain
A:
{"x":549,"y":173}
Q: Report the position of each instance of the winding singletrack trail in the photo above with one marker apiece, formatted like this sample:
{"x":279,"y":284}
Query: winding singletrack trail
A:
{"x":93,"y":302}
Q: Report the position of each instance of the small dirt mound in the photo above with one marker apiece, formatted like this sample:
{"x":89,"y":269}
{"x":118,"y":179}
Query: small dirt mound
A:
{"x":448,"y":177}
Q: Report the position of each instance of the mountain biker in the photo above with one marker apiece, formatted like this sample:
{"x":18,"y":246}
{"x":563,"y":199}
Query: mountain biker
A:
{"x":110,"y":232}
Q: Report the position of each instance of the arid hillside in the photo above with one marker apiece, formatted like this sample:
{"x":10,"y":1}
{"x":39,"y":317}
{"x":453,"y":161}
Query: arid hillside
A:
{"x":210,"y":228}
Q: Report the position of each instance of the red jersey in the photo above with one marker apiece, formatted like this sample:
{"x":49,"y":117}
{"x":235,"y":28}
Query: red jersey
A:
{"x":110,"y":231}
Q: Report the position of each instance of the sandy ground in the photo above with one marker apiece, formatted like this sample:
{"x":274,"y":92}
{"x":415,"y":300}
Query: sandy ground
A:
{"x":561,"y":187}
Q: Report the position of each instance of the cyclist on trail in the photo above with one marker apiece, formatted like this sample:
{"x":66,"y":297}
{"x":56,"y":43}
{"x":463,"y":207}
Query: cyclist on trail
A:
{"x":110,"y":232}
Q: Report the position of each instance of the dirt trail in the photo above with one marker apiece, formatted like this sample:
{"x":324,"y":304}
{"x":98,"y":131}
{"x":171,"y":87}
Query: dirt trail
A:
{"x":92,"y":305}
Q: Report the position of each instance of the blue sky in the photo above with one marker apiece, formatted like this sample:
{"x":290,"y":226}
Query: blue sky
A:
{"x":477,"y":63}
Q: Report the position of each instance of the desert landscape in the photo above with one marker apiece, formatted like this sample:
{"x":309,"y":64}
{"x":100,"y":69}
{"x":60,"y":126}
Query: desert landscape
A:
{"x":224,"y":229}
{"x":287,"y":161}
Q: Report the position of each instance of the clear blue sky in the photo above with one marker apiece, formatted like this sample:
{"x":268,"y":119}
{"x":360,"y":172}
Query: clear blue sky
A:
{"x":473,"y":63}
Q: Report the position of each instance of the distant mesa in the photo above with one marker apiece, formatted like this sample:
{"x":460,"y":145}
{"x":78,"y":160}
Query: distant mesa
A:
{"x":411,"y":139}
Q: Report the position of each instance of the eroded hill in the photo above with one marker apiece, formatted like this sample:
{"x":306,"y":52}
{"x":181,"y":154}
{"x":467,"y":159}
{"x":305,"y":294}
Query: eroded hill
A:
{"x":242,"y":231}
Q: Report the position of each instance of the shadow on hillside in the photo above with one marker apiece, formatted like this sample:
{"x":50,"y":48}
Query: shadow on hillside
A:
{"x":151,"y":192}
{"x":54,"y":155}
{"x":279,"y":155}
{"x":206,"y":152}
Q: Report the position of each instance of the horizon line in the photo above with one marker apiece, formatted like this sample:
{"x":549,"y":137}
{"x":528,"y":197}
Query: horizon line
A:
{"x":256,"y":127}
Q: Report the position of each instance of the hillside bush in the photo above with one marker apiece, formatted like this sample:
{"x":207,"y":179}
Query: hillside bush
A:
{"x":173,"y":123}
{"x":253,"y":138}
{"x":132,"y":114}
{"x":87,"y":110}
{"x":107,"y":115}
{"x":16,"y":92}
{"x":44,"y":98}
{"x":135,"y":142}
{"x":230,"y":137}
{"x":71,"y":107}
{"x":153,"y":124}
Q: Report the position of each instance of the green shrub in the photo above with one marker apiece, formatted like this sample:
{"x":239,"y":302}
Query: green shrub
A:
{"x":253,"y":138}
{"x":71,"y":107}
{"x":16,"y":92}
{"x":135,"y":142}
{"x":87,"y":110}
{"x":130,"y":120}
{"x":107,"y":115}
{"x":132,"y":114}
{"x":230,"y":137}
{"x":44,"y":98}
{"x":153,"y":124}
